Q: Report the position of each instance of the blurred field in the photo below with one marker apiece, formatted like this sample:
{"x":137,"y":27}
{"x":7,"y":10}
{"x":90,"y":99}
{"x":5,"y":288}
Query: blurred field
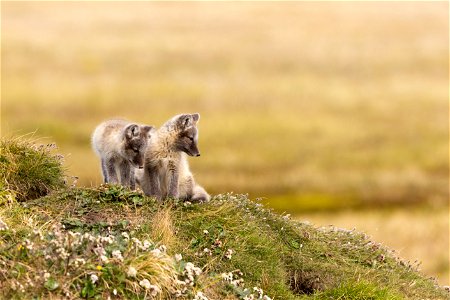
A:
{"x":312,"y":105}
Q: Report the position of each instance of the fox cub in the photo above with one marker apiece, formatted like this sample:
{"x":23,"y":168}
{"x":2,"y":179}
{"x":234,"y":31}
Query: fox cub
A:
{"x":166,"y":172}
{"x":121,"y":146}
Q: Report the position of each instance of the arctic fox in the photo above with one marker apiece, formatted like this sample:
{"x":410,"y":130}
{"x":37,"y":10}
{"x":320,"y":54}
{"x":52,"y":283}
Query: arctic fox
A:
{"x":166,"y":172}
{"x":121,"y":147}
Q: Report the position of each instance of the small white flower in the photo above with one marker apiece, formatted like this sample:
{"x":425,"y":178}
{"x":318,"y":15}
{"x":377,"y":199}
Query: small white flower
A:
{"x":207,"y":251}
{"x":46,"y":275}
{"x":104,"y":258}
{"x":115,"y":292}
{"x":205,"y":231}
{"x":145,"y":283}
{"x":117,"y":255}
{"x":131,"y":272}
{"x":94,"y":278}
{"x":178,"y":257}
{"x":125,"y":235}
{"x":200,"y":296}
{"x":154,"y":290}
{"x":227,"y":276}
{"x":259,"y":291}
{"x":156,"y":252}
{"x":228,"y":253}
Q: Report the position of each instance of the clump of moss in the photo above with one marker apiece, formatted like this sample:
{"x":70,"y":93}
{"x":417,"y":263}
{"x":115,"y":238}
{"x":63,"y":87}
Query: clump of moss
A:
{"x":28,"y":171}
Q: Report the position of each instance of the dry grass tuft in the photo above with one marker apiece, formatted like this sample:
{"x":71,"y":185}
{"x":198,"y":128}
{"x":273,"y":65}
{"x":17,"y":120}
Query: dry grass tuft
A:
{"x":162,"y":227}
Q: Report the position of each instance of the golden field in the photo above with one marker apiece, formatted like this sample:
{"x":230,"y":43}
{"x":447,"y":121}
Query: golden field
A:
{"x":312,"y":105}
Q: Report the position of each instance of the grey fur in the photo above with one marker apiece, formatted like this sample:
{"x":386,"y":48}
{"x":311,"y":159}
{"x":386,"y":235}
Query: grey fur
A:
{"x":166,"y":172}
{"x":121,"y":146}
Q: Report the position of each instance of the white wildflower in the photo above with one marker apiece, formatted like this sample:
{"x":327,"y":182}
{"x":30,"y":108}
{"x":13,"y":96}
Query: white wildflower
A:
{"x":77,"y":262}
{"x":154,"y":290}
{"x":156,"y":252}
{"x":287,"y":216}
{"x":94,"y":278}
{"x":117,"y":255}
{"x":145,"y":246}
{"x":178,"y":257}
{"x":137,"y":242}
{"x":259,"y":291}
{"x":131,"y":272}
{"x":205,"y":231}
{"x":200,"y":296}
{"x":28,"y":244}
{"x":228,"y":253}
{"x":125,"y":235}
{"x":104,"y":258}
{"x":227,"y":276}
{"x":145,"y":283}
{"x":207,"y":251}
{"x":115,"y":292}
{"x":46,"y":275}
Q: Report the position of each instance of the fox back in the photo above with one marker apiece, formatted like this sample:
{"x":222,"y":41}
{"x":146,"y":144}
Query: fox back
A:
{"x":120,"y":145}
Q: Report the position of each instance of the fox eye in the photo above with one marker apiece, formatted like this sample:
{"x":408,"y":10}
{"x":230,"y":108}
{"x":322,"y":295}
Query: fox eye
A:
{"x":136,"y":150}
{"x":191,"y":138}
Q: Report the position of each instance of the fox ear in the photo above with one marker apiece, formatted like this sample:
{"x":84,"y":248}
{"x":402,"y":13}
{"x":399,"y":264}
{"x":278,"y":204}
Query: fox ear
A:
{"x":185,"y":121}
{"x":131,"y":131}
{"x":196,"y":117}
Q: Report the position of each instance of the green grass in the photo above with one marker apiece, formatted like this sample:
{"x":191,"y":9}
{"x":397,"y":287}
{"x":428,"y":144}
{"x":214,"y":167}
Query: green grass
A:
{"x":109,"y":241}
{"x":286,"y":259}
{"x":29,"y":171}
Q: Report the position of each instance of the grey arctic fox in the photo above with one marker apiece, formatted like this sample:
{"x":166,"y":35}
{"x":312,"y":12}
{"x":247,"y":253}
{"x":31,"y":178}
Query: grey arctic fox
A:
{"x":121,"y":146}
{"x":166,"y":172}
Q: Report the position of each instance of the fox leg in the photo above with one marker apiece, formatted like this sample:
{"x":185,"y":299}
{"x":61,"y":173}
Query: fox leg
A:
{"x":104,"y":171}
{"x":111,"y":171}
{"x":199,"y":194}
{"x":132,"y":179}
{"x":173,"y":180}
{"x":150,"y":183}
{"x":125,"y":173}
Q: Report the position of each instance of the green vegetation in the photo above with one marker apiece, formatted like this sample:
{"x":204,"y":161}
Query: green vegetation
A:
{"x":109,"y":241}
{"x":315,"y":106}
{"x":28,"y":171}
{"x":97,"y":242}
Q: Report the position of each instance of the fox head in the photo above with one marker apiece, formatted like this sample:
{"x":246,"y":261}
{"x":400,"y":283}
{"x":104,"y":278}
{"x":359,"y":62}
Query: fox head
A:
{"x":136,"y":141}
{"x":187,"y":133}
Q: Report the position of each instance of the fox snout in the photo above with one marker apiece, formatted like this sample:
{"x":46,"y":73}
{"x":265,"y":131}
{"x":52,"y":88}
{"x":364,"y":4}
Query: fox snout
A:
{"x":198,"y":154}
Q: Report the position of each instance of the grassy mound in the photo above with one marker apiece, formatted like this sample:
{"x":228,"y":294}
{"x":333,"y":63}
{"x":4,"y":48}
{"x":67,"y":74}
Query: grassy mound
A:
{"x":111,"y":242}
{"x":28,"y":171}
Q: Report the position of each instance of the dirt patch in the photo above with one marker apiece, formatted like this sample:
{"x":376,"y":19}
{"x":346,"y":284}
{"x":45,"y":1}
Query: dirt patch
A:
{"x":305,"y":282}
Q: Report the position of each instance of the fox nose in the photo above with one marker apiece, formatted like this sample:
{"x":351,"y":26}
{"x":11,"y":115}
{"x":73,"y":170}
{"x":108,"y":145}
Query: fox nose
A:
{"x":141,"y":167}
{"x":198,"y":154}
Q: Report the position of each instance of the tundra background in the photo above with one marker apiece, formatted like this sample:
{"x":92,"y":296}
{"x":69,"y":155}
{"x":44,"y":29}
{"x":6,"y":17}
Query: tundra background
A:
{"x":335,"y":112}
